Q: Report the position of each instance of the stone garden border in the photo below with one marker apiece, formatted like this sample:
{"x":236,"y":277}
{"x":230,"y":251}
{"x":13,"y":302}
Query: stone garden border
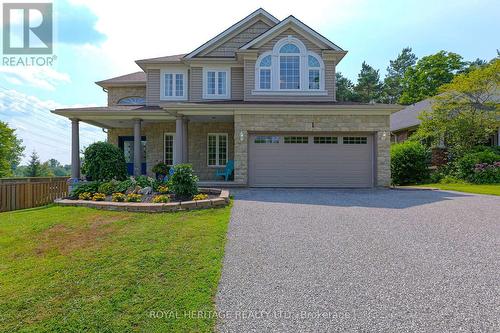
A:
{"x":149,"y":207}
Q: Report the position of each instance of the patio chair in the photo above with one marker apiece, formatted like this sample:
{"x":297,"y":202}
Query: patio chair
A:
{"x":226,"y":172}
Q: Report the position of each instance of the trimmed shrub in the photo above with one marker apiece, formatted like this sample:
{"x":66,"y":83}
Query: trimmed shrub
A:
{"x":91,"y":187}
{"x":184,"y":182}
{"x":409,"y":163}
{"x":104,"y":161}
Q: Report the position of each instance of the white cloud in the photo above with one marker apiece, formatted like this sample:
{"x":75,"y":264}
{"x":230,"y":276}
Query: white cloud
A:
{"x":42,"y":77}
{"x":40,"y":130}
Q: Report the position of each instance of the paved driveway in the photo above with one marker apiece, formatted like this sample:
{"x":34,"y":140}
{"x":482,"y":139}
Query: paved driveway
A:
{"x":361,"y":261}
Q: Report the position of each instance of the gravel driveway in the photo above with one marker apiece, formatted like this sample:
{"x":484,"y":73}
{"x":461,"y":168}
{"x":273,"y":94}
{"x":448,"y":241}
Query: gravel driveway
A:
{"x":361,"y":261}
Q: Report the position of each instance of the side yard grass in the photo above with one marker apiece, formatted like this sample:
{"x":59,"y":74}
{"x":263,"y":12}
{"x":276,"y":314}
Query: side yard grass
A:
{"x":468,"y":188}
{"x":72,"y":269}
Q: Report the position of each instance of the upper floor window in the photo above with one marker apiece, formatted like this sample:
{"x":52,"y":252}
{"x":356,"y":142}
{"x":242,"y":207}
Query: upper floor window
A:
{"x":173,"y":85}
{"x":132,"y":101}
{"x":289,"y":68}
{"x":216,"y":83}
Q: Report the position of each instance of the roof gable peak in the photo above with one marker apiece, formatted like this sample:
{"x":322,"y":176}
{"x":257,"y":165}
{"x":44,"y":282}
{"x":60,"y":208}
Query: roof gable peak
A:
{"x":240,"y":25}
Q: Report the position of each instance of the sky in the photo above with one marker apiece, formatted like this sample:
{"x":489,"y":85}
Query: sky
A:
{"x":97,"y":39}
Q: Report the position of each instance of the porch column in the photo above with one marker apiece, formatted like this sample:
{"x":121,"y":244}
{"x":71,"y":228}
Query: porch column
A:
{"x":75,"y":149}
{"x":185,"y":141}
{"x":137,"y":148}
{"x":498,"y":137}
{"x":179,"y":138}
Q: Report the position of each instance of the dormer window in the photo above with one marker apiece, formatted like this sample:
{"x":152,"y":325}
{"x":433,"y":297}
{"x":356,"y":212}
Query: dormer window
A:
{"x":289,"y":69}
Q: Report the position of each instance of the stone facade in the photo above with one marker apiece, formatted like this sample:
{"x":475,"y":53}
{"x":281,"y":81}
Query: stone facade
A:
{"x":197,"y":143}
{"x":117,"y":93}
{"x":377,"y":124}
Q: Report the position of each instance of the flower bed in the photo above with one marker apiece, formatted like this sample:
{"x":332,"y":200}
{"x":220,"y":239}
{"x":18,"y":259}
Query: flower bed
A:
{"x":216,"y":198}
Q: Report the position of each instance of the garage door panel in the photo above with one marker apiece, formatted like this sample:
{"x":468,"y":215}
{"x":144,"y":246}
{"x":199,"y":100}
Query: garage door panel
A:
{"x":311,"y":164}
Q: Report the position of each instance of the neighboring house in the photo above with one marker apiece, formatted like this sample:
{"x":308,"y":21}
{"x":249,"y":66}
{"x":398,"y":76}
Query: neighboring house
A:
{"x":261,"y":93}
{"x":405,"y":122}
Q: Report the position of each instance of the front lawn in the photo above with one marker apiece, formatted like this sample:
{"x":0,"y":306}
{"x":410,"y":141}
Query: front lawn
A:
{"x":469,"y":188}
{"x":73,"y":269}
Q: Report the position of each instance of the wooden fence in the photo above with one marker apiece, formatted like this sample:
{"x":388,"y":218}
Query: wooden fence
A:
{"x":21,"y":193}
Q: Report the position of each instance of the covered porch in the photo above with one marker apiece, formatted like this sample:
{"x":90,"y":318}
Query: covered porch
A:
{"x":149,"y":136}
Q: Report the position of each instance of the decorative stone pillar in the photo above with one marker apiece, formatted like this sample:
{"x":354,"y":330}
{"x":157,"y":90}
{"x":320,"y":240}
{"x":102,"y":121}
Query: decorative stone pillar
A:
{"x":137,"y":148}
{"x":75,"y":150}
{"x":178,"y":142}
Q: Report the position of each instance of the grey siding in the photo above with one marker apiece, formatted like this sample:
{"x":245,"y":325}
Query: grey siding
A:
{"x":228,"y":48}
{"x":196,"y":84}
{"x":249,"y":68}
{"x":153,"y":87}
{"x":237,"y":83}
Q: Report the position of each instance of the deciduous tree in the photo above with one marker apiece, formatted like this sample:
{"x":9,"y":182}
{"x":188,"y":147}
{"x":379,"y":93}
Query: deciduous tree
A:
{"x":11,"y":150}
{"x":431,"y":72}
{"x":467,"y":111}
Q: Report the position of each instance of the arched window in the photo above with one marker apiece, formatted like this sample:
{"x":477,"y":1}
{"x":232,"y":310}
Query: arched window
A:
{"x":265,"y":72}
{"x":314,"y":72}
{"x":289,"y":67}
{"x":132,"y":101}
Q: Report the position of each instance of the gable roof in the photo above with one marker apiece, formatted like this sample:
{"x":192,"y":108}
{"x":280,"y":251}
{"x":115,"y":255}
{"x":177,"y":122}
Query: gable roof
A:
{"x":235,"y":28}
{"x":136,"y":78}
{"x":408,"y":117}
{"x":290,"y":21}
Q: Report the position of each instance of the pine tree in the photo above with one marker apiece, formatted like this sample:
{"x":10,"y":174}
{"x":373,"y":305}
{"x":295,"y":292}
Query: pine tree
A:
{"x":34,"y":167}
{"x":369,"y":88}
{"x":395,"y":71}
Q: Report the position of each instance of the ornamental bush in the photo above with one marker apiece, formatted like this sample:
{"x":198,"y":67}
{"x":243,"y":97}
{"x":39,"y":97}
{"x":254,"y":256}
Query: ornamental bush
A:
{"x":161,"y":199}
{"x":410,"y":162}
{"x":184,"y":182}
{"x":485,"y":173}
{"x":465,"y":166}
{"x":104,"y":161}
{"x":118,"y":197}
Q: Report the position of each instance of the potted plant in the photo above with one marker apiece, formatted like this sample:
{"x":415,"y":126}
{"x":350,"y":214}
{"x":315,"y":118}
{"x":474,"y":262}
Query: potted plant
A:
{"x":161,"y":170}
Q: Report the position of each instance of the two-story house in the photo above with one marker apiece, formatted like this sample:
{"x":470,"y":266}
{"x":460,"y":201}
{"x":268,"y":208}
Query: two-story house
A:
{"x":262,"y":94}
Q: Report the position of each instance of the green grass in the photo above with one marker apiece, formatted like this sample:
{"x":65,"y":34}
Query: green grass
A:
{"x":69,"y":269}
{"x":469,"y":188}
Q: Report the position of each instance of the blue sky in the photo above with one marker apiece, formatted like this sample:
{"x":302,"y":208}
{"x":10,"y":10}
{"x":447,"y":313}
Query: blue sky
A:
{"x":98,"y":39}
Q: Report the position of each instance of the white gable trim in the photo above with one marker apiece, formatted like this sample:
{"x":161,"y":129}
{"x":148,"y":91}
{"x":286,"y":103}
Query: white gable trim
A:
{"x":231,"y":29}
{"x":290,"y":20}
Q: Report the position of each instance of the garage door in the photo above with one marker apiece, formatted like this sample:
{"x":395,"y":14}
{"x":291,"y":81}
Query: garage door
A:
{"x":311,"y":160}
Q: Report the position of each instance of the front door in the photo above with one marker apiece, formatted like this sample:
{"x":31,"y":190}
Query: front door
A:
{"x":126,"y":143}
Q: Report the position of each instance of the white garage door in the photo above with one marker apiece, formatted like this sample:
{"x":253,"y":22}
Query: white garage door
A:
{"x":311,"y":160}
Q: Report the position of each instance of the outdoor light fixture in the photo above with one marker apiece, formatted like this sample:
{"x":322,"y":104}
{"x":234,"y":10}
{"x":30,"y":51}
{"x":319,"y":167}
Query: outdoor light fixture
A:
{"x":242,"y":136}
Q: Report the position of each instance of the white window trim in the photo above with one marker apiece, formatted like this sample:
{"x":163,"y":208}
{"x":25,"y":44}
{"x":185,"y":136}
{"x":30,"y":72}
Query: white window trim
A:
{"x":184,"y":96}
{"x":227,"y":70}
{"x":164,"y":147}
{"x":304,"y":71}
{"x":217,"y":135}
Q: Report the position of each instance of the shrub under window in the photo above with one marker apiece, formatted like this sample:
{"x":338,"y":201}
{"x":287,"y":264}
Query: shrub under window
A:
{"x":104,"y":161}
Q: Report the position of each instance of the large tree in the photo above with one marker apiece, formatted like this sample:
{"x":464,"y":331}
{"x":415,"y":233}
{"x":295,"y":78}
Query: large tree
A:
{"x":11,"y":150}
{"x":467,"y":111}
{"x":368,"y":88}
{"x":431,"y":72}
{"x":345,"y":88}
{"x":395,"y":71}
